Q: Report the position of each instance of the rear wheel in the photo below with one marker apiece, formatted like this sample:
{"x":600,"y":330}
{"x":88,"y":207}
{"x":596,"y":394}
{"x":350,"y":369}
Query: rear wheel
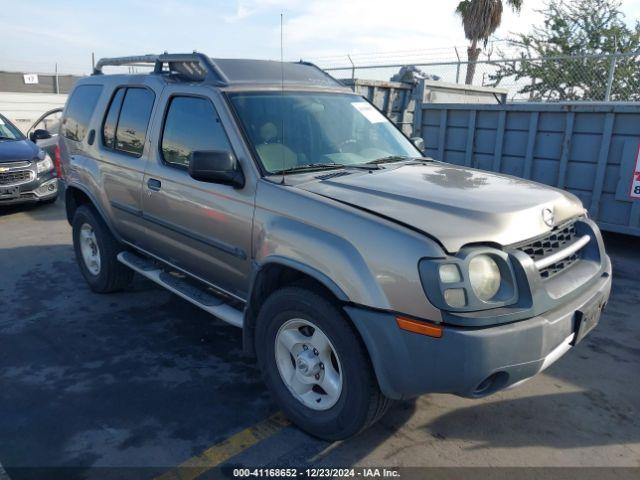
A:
{"x":96,"y":252}
{"x":316,"y":366}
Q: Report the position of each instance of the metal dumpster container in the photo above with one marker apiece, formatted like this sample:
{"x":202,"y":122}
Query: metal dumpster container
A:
{"x":589,"y":149}
{"x":397,"y":100}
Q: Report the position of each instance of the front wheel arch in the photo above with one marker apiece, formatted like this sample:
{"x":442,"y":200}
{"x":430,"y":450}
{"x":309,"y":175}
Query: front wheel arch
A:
{"x":275,"y":275}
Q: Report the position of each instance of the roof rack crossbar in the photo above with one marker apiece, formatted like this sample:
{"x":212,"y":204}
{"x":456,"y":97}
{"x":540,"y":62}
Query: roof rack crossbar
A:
{"x":135,"y":60}
{"x":182,"y":63}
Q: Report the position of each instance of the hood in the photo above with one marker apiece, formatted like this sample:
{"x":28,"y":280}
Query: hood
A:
{"x":17,"y":150}
{"x":455,"y":205}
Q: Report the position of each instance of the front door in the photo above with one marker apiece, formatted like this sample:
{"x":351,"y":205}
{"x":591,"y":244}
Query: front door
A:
{"x":203,"y":228}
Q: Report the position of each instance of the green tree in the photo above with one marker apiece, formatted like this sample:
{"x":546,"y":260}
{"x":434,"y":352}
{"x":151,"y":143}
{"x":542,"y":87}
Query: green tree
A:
{"x":480,"y":19}
{"x":572,"y":29}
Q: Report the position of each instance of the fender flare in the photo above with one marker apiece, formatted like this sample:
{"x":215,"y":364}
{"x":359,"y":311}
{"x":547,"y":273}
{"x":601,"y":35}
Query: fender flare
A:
{"x":250,"y":315}
{"x":94,"y":203}
{"x":304,"y":268}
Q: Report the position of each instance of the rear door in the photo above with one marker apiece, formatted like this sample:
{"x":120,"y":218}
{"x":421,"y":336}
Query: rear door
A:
{"x":203,"y":228}
{"x":123,"y":153}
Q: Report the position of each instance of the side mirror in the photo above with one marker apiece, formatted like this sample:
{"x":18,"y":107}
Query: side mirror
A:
{"x":418,"y":142}
{"x":216,"y":166}
{"x":39,"y":134}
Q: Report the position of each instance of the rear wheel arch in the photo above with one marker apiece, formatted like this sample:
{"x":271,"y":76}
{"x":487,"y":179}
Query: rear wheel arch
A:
{"x":75,"y":197}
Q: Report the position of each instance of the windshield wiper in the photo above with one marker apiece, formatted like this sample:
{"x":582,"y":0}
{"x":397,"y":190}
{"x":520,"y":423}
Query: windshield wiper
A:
{"x":388,"y":159}
{"x":6,"y":138}
{"x":308,"y":167}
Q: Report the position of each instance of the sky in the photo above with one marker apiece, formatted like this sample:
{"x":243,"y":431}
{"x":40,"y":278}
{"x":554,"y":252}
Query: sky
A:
{"x":36,"y":34}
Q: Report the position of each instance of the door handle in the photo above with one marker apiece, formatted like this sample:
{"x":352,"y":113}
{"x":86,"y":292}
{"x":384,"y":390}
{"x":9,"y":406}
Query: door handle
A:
{"x":154,"y":184}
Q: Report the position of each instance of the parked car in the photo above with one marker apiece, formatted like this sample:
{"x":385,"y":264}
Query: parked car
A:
{"x":27,"y":171}
{"x":360,"y":271}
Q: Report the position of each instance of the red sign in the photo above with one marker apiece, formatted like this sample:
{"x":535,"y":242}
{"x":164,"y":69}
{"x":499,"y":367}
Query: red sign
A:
{"x":635,"y":179}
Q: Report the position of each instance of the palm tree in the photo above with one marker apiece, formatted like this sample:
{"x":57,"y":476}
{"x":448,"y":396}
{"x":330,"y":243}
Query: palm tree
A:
{"x":480,"y":18}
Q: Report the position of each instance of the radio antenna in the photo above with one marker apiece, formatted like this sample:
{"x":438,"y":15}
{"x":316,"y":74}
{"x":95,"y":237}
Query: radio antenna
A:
{"x":282,"y":95}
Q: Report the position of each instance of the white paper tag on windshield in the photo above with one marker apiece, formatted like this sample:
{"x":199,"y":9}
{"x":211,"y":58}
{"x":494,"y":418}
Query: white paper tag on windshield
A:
{"x":1,"y":122}
{"x":370,"y":113}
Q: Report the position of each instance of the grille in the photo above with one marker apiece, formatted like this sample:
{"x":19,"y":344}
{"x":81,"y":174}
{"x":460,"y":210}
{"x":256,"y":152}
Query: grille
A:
{"x":558,"y":239}
{"x":10,"y":178}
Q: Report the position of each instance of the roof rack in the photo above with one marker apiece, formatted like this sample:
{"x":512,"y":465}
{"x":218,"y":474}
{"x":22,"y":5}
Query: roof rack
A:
{"x":193,"y":66}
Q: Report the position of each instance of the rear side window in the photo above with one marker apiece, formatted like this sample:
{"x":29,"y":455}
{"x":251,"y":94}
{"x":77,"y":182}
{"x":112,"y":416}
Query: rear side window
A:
{"x":134,"y":118}
{"x":79,"y":111}
{"x":125,"y":124}
{"x":191,"y":124}
{"x":111,"y":120}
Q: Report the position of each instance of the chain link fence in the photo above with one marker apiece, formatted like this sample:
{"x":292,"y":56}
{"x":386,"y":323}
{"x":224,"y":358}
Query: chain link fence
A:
{"x":602,"y":77}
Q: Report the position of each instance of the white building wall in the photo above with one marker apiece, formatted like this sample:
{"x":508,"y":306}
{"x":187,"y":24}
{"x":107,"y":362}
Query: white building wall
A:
{"x":24,"y":108}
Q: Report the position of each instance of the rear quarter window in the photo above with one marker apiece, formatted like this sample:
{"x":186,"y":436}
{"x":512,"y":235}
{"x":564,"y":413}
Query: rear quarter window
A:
{"x":79,"y":110}
{"x":133,"y":121}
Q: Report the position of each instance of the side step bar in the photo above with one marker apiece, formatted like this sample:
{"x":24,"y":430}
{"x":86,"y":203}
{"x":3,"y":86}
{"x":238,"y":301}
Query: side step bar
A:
{"x":210,"y":303}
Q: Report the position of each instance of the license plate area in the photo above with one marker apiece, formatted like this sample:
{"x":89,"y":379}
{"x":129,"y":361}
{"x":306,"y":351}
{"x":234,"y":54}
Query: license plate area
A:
{"x":9,"y":192}
{"x":586,"y":319}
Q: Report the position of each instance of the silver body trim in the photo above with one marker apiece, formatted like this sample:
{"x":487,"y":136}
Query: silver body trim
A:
{"x":562,"y":254}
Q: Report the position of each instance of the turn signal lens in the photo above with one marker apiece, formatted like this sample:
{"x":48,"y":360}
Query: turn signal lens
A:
{"x":428,"y":329}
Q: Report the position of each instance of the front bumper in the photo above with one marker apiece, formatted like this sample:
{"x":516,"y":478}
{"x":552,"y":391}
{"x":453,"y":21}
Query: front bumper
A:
{"x":40,"y":189}
{"x":471,"y":362}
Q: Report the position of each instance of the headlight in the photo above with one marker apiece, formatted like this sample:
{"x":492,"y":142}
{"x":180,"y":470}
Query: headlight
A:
{"x":476,"y":278}
{"x":44,"y":165}
{"x":484,"y":276}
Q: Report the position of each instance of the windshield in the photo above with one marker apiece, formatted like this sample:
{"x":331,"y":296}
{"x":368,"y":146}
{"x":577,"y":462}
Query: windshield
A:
{"x":8,"y":131}
{"x":292,"y":130}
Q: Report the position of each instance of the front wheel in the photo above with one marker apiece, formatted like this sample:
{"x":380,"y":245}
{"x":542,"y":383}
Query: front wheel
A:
{"x":315,"y":365}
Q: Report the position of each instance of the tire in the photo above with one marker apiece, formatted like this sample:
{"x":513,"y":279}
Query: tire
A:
{"x":360,"y":402}
{"x":110,"y":275}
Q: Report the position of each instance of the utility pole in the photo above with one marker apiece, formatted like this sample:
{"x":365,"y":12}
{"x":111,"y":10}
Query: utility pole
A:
{"x":57,"y":84}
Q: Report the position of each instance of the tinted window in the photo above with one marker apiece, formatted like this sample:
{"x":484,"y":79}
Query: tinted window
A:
{"x":111,"y":120}
{"x":133,"y":121}
{"x":191,"y":125}
{"x":79,"y":111}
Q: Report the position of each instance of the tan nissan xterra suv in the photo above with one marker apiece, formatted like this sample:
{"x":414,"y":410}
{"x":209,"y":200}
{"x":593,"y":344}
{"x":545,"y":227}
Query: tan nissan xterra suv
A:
{"x":281,"y":202}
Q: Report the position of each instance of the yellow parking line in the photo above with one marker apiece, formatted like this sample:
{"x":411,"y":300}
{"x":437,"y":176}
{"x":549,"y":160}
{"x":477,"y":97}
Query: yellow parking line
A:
{"x":232,"y":446}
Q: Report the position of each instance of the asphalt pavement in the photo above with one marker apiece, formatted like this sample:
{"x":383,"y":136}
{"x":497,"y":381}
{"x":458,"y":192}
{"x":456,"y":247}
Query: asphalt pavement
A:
{"x":137,"y":383}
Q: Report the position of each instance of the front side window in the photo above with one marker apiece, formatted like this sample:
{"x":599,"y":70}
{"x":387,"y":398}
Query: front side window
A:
{"x":191,"y":124}
{"x":134,"y":118}
{"x":79,"y":111}
{"x":291,"y":129}
{"x":8,"y":131}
